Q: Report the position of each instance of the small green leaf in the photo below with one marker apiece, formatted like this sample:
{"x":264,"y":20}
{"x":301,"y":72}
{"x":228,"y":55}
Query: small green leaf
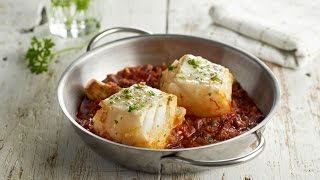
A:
{"x":193,"y":63}
{"x":39,"y":55}
{"x":132,"y":108}
{"x":126,"y":91}
{"x":170,"y":68}
{"x":214,"y":77}
{"x":82,"y":4}
{"x":151,"y":93}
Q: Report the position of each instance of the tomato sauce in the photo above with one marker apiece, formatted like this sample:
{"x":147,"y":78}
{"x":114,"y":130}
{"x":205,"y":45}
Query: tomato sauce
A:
{"x":194,"y":131}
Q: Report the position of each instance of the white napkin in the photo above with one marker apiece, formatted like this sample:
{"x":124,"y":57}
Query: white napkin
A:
{"x":285,"y":32}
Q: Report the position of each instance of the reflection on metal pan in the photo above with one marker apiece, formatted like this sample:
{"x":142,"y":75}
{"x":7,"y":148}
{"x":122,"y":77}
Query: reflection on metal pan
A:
{"x":254,"y":76}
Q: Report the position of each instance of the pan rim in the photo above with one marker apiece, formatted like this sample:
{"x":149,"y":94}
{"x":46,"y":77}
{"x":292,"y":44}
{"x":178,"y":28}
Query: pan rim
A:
{"x":84,"y":57}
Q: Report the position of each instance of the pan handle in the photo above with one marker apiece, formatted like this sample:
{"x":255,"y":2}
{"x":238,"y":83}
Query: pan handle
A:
{"x":107,"y":32}
{"x":218,"y":163}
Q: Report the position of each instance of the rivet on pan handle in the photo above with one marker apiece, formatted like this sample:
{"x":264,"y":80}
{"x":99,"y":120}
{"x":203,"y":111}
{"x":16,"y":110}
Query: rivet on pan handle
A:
{"x":107,"y":32}
{"x":218,"y":163}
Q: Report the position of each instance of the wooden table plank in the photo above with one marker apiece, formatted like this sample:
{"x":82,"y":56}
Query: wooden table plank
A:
{"x":293,"y":135}
{"x":36,"y":140}
{"x":139,"y":14}
{"x":20,"y":19}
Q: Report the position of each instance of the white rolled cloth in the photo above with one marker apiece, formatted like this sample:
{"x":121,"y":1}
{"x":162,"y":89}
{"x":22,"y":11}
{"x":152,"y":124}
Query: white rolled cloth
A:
{"x":285,"y":32}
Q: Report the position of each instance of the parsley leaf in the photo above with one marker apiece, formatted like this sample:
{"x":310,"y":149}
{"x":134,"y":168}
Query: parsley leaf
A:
{"x":39,"y":55}
{"x":132,"y":108}
{"x":170,"y":68}
{"x":151,"y":93}
{"x":79,"y":4}
{"x":193,"y":63}
{"x":82,"y":4}
{"x":214,"y":77}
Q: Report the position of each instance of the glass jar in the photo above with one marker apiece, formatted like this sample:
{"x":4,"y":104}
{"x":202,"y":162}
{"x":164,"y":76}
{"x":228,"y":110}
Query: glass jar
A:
{"x":74,"y":18}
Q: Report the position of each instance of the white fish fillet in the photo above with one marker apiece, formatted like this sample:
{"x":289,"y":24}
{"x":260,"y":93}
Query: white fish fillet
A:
{"x":202,"y":87}
{"x":139,"y":116}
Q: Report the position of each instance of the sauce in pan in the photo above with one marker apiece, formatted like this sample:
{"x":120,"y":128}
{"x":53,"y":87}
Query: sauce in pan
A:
{"x":195,"y":131}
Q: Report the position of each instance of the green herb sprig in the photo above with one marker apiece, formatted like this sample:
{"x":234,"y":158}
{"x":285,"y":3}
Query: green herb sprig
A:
{"x":40,"y":54}
{"x":80,"y":4}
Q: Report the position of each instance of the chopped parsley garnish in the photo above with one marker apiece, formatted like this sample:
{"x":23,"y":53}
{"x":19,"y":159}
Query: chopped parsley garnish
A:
{"x":151,"y":93}
{"x":126,"y":91}
{"x":170,"y":98}
{"x":115,"y":121}
{"x":135,"y":107}
{"x":132,"y":108}
{"x":209,"y":94}
{"x":170,"y":68}
{"x":193,"y":63}
{"x":214,"y":77}
{"x":128,"y":96}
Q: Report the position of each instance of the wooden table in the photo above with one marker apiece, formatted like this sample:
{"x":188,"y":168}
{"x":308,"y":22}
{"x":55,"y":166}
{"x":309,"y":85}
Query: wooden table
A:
{"x":37,"y":142}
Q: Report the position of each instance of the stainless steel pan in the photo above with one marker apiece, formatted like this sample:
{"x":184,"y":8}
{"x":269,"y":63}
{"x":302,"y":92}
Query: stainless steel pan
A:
{"x":254,"y":76}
